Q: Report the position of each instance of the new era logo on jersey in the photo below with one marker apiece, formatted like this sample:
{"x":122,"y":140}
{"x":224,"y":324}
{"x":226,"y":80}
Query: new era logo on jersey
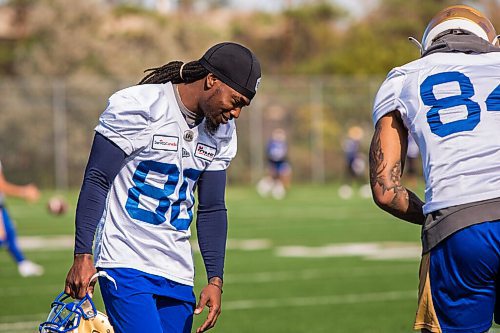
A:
{"x":165,"y":142}
{"x":185,"y":153}
{"x":205,"y":152}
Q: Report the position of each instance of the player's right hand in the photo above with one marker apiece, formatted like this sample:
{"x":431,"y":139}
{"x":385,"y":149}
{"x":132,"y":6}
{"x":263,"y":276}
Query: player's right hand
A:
{"x":78,"y":278}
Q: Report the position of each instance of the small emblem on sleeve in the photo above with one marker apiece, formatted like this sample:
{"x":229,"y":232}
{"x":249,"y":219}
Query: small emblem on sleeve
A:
{"x":205,"y":152}
{"x":165,"y":142}
{"x":188,"y":135}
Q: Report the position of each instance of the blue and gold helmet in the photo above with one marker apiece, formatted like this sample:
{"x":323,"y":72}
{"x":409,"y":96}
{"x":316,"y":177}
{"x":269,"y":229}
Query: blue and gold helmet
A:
{"x":459,"y":17}
{"x":75,"y":316}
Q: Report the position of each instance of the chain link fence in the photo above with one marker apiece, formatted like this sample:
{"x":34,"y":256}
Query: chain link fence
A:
{"x":46,"y":126}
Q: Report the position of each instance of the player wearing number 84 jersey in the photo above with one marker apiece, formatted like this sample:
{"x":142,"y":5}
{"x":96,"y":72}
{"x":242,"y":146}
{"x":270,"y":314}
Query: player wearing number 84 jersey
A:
{"x":154,"y":145}
{"x":449,"y":101}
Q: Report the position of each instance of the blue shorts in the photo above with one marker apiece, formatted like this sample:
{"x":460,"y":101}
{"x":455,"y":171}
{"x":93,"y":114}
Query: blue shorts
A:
{"x":459,"y":282}
{"x":147,"y":303}
{"x":279,"y":168}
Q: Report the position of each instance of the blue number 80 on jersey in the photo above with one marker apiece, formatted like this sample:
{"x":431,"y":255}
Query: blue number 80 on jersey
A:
{"x":172,"y":178}
{"x":464,"y":99}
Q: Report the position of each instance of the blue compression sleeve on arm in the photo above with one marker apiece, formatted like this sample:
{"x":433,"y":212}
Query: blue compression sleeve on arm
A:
{"x":104,"y":163}
{"x":211,"y":222}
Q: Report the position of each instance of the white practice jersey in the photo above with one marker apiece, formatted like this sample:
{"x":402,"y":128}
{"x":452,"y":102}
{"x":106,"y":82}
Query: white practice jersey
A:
{"x":149,"y":208}
{"x":450,"y":103}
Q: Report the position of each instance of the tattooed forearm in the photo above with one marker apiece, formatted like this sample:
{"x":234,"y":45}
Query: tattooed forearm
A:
{"x":376,"y":158}
{"x":400,"y":194}
{"x":389,"y":193}
{"x":389,"y":179}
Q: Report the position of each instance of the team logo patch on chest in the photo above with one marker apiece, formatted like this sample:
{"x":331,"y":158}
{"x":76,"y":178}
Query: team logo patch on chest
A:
{"x":165,"y":142}
{"x":189,"y":135}
{"x":205,"y":152}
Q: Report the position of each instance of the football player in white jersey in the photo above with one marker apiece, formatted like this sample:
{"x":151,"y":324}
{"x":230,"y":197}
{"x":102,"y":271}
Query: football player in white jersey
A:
{"x":156,"y":143}
{"x":8,"y":237}
{"x":449,"y":101}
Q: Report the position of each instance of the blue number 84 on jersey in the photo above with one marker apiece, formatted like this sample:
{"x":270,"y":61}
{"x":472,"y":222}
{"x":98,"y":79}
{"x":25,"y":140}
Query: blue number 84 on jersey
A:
{"x":467,"y":92}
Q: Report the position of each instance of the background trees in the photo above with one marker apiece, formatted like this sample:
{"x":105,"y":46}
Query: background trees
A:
{"x":60,"y":60}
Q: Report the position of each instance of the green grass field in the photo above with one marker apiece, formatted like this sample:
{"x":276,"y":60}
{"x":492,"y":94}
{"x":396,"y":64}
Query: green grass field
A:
{"x":310,"y":263}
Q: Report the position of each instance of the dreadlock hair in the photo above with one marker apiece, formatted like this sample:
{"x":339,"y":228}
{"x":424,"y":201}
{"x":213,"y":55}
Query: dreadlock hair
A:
{"x":191,"y":72}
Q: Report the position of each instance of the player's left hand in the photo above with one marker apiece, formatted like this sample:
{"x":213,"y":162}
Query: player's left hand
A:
{"x":210,"y":296}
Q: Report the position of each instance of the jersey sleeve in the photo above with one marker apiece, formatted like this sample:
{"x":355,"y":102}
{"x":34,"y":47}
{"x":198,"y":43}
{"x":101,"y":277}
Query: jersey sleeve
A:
{"x":125,"y":122}
{"x":387,"y":99}
{"x":227,"y":148}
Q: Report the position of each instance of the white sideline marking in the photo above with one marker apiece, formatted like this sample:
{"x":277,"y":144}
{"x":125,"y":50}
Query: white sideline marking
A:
{"x":46,"y":242}
{"x":67,"y":242}
{"x":371,"y":251}
{"x":322,"y":300}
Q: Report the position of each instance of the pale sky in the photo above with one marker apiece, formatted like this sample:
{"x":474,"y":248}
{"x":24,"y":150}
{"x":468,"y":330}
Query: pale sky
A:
{"x":356,"y":7}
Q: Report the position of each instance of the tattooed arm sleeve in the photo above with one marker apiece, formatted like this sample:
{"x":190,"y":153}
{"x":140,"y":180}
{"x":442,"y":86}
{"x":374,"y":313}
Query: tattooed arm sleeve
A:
{"x":387,"y":155}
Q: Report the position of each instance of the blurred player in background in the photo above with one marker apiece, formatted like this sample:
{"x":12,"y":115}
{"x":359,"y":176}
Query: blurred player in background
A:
{"x":8,"y":236}
{"x":355,"y":164}
{"x":412,"y":165}
{"x":449,"y":100}
{"x":155,"y":143}
{"x":280,"y":173}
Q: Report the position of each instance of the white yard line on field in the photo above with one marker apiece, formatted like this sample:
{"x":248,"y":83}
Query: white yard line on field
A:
{"x":370,"y":251}
{"x":46,"y":242}
{"x":66,"y":242}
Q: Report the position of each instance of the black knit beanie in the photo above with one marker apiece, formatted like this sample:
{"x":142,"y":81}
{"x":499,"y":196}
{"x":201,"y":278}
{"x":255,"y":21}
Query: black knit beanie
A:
{"x":235,"y":65}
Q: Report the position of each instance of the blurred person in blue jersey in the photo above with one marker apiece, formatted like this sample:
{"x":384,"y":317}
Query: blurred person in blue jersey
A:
{"x":8,"y":237}
{"x":156,"y":143}
{"x":449,"y":101}
{"x":355,"y":164}
{"x":280,"y":172}
{"x":412,"y":164}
